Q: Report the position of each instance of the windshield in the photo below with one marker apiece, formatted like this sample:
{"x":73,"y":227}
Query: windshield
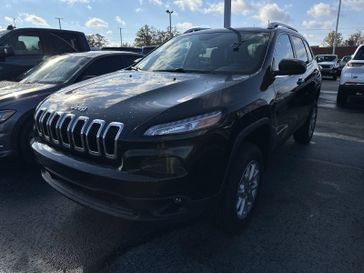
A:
{"x":326,"y":58}
{"x":56,"y":70}
{"x":210,"y":53}
{"x":359,"y":55}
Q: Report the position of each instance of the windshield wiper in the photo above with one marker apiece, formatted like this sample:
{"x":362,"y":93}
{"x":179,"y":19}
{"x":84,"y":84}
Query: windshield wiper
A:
{"x":135,"y":68}
{"x":179,"y":70}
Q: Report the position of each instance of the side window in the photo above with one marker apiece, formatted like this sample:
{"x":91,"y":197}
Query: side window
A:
{"x":127,"y":60}
{"x":309,"y":52}
{"x":101,"y":66}
{"x":26,"y":44}
{"x":65,"y":42}
{"x":283,"y":50}
{"x":300,"y":49}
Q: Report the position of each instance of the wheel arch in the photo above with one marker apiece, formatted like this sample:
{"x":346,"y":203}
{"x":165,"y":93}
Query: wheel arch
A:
{"x":27,"y":116}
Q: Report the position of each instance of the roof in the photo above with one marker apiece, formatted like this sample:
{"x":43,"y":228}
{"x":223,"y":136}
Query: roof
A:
{"x":97,"y":53}
{"x":47,"y":29}
{"x":247,"y":29}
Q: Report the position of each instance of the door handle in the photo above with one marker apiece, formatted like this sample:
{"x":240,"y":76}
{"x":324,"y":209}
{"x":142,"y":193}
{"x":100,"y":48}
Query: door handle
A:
{"x":300,"y":81}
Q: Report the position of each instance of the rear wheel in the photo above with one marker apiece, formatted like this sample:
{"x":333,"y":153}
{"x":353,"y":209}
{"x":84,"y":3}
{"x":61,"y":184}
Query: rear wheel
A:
{"x":241,"y":189}
{"x":304,"y":134}
{"x":341,"y":98}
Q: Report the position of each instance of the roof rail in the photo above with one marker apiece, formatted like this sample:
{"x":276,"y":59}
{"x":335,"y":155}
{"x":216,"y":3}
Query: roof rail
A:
{"x":274,"y":25}
{"x":195,"y":29}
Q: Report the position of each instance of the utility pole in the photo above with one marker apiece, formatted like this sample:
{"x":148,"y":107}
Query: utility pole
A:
{"x":227,"y":14}
{"x":170,"y":20}
{"x":59,"y":22}
{"x":337,"y":28}
{"x":121,"y":36}
{"x":14,"y":22}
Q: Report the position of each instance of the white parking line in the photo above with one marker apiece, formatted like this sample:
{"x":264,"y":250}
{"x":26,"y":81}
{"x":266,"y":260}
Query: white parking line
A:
{"x":328,"y":92}
{"x":339,"y":136}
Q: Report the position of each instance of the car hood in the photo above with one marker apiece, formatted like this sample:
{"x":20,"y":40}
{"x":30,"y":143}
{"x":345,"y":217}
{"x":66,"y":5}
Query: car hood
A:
{"x":132,"y":97}
{"x":327,"y":63}
{"x":10,"y":90}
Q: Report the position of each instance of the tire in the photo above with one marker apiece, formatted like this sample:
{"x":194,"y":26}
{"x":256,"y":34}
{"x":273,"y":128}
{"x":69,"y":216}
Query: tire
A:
{"x":241,"y":189}
{"x":26,"y":134}
{"x":334,"y":77}
{"x":341,"y":98}
{"x":304,"y":134}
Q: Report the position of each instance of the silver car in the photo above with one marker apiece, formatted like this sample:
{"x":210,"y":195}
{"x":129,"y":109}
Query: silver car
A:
{"x":352,"y":78}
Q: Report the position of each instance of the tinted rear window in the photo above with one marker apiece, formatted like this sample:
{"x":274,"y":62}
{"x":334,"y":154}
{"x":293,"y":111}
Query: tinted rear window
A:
{"x":325,"y":58}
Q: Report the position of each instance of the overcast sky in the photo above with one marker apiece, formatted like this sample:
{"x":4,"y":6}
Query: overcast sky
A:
{"x":312,"y":18}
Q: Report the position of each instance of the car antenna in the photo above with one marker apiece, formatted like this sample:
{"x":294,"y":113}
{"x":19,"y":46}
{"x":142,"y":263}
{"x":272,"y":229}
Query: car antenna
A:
{"x":236,"y":45}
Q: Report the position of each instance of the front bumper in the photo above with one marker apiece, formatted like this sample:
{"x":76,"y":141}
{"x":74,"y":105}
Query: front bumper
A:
{"x":127,"y":195}
{"x":6,"y":147}
{"x":329,"y":72}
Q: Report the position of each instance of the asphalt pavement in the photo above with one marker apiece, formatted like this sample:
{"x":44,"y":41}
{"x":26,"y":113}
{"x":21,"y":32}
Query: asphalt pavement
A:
{"x":309,"y":217}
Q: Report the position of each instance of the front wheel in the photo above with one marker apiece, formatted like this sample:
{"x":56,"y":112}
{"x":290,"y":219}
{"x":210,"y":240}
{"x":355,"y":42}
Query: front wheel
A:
{"x":304,"y":134}
{"x":25,"y":137}
{"x":241,"y":188}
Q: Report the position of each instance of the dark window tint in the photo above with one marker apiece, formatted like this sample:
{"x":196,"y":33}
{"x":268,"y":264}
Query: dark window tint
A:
{"x":283,"y":50}
{"x":218,"y":52}
{"x":26,"y":44}
{"x":65,"y":42}
{"x":102,"y":66}
{"x":128,"y":60}
{"x":300,"y":49}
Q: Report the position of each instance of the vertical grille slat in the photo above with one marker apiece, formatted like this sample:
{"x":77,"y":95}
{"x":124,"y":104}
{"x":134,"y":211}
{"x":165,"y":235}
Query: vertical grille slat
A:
{"x":78,"y":133}
{"x":43,"y":124}
{"x":38,"y":118}
{"x":95,"y":137}
{"x":110,"y":139}
{"x":64,"y":130}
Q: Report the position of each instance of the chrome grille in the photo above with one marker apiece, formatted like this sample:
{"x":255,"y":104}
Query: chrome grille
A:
{"x":95,"y":137}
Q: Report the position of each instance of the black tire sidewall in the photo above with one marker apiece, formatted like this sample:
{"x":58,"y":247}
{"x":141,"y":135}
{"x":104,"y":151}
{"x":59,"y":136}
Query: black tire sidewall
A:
{"x":303,"y":134}
{"x":228,"y":217}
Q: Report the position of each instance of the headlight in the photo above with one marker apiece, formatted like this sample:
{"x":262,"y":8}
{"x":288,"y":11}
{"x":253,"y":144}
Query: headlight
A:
{"x":5,"y":115}
{"x":185,"y":125}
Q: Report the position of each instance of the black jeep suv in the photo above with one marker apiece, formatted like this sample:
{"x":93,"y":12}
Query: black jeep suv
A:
{"x":190,"y":126}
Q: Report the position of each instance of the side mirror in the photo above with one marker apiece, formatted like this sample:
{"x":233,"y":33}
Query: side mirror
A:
{"x":6,"y":51}
{"x":291,"y":67}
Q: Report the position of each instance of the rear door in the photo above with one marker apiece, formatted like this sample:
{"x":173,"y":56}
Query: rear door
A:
{"x":285,"y":87}
{"x":305,"y":93}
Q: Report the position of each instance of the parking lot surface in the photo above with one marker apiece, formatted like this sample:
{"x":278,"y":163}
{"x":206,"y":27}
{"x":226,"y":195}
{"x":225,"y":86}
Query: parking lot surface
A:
{"x":309,"y":217}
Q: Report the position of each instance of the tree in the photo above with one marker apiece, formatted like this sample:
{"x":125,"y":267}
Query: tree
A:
{"x":148,"y":35}
{"x":145,"y":36}
{"x":96,"y":40}
{"x":329,"y":39}
{"x":355,"y":39}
